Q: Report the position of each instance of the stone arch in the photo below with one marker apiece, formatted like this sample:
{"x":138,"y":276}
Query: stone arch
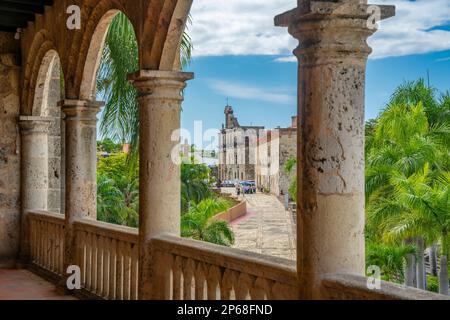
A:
{"x":92,"y":62}
{"x":47,"y":84}
{"x":161,"y":35}
{"x":85,"y":58}
{"x":41,"y":46}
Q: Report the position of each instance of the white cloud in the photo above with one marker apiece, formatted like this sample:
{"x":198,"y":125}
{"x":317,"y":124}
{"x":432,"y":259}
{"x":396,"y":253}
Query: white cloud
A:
{"x":249,"y":92}
{"x":245,"y":27}
{"x":286,"y":59}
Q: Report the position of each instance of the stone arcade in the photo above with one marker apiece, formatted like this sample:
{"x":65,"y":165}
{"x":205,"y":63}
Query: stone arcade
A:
{"x":47,"y":160}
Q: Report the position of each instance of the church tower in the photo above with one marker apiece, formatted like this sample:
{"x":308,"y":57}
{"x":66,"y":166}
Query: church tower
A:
{"x":230,"y":120}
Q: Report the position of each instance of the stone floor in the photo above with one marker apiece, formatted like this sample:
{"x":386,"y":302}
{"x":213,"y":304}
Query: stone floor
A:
{"x":266,"y":229}
{"x":24,"y":285}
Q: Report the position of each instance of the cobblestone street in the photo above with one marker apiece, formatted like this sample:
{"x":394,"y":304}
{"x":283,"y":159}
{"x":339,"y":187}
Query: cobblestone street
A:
{"x":266,"y":229}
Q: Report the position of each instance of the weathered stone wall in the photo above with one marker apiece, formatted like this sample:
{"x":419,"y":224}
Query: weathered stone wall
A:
{"x":272,"y":157}
{"x":9,"y":151}
{"x":288,"y":150}
{"x":55,"y":174}
{"x":158,"y":25}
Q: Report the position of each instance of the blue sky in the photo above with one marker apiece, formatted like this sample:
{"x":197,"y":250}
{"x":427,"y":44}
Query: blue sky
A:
{"x":240,"y":55}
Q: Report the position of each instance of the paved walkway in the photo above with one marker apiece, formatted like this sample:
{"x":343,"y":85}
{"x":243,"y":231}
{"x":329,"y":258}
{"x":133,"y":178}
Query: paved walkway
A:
{"x":266,"y":229}
{"x":24,"y":285}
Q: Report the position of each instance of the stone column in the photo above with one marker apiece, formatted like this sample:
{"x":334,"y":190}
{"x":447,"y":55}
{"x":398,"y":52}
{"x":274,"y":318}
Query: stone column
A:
{"x":81,"y":165}
{"x":160,"y":98}
{"x":34,"y":132}
{"x":332,"y":58}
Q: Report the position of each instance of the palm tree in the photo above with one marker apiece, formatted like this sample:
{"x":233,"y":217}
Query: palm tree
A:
{"x":120,"y":117}
{"x":411,"y":93}
{"x":421,"y":207}
{"x":117,"y":191}
{"x":195,"y":184}
{"x":406,"y":136}
{"x":116,"y":205}
{"x":199,"y":224}
{"x":391,"y":259}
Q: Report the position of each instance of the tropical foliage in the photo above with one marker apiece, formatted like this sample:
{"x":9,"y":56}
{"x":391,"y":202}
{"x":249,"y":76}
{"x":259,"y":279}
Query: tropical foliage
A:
{"x":118,"y":199}
{"x":289,"y":168}
{"x":390,"y":258}
{"x":117,"y":191}
{"x":407,"y":176}
{"x":195,"y":184}
{"x":199,"y":223}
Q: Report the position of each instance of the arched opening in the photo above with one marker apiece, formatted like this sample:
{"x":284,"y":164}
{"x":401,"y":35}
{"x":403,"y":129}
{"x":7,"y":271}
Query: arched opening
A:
{"x":49,"y":90}
{"x":112,"y":56}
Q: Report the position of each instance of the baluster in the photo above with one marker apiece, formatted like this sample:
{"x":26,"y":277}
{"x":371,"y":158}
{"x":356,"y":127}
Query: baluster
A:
{"x":134,"y":271}
{"x":41,"y":243}
{"x":282,"y":292}
{"x":106,"y":267}
{"x":227,"y":286}
{"x":200,"y":282}
{"x":178,"y":278}
{"x":56,"y":248}
{"x":213,"y":282}
{"x":112,"y":270}
{"x":100,"y":253}
{"x":51,"y":227}
{"x":81,"y":254}
{"x":44,"y":244}
{"x":260,"y":290}
{"x":94,"y":262}
{"x":47,"y":245}
{"x":89,"y":261}
{"x":243,"y":286}
{"x":61,"y":249}
{"x":32,"y":238}
{"x":188,"y":279}
{"x":126,"y":270}
{"x":119,"y":271}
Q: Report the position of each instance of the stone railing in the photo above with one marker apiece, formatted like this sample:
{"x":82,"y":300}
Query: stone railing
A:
{"x":186,"y":270}
{"x":352,"y":287}
{"x":46,"y":232}
{"x":233,"y":213}
{"x":108,"y":257}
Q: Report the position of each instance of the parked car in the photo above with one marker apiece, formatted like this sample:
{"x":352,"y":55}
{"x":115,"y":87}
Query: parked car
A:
{"x":248,"y":187}
{"x":228,"y":184}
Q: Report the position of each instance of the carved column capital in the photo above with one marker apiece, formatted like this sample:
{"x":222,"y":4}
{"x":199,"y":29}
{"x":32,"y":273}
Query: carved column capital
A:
{"x":330,"y":31}
{"x":81,"y":110}
{"x":34,"y":125}
{"x":160,"y":85}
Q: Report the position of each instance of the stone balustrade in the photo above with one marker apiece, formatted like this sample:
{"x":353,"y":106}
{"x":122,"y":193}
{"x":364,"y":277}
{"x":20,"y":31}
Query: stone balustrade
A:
{"x":354,"y":287}
{"x":185,"y":269}
{"x":108,"y":257}
{"x":46,"y":237}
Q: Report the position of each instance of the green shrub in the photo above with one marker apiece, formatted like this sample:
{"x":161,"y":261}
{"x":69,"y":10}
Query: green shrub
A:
{"x":432,"y":284}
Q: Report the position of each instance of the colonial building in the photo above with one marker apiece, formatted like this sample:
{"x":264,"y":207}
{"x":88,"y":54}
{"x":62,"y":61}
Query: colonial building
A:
{"x":273,"y":150}
{"x":237,"y":158}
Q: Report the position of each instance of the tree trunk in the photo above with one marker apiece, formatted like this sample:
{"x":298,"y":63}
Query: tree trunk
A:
{"x":410,"y":272}
{"x":421,"y":272}
{"x":443,"y":276}
{"x":433,"y":261}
